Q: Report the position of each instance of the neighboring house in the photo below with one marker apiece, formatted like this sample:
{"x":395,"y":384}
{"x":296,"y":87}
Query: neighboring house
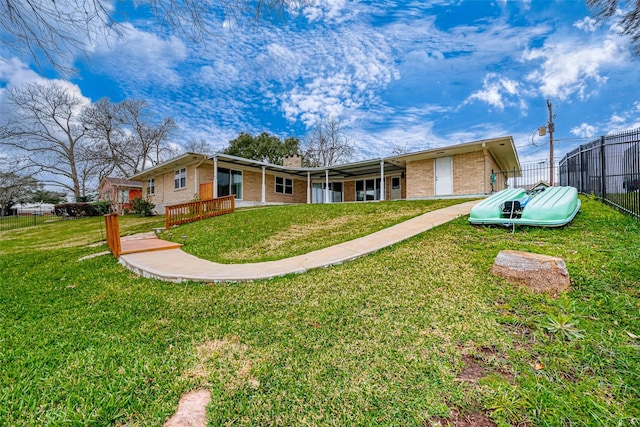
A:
{"x":457,"y":170}
{"x":33,"y":208}
{"x":119,"y":192}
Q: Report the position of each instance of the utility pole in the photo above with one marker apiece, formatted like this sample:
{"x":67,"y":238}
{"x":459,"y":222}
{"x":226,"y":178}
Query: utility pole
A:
{"x":551,"y":129}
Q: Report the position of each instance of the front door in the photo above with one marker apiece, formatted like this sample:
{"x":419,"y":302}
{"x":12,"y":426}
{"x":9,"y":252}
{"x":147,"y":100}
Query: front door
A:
{"x":396,"y":188}
{"x":444,"y":176}
{"x":317,"y":193}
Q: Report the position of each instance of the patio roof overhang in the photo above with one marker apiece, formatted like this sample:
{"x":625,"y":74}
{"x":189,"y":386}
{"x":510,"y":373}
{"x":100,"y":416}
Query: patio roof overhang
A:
{"x":349,"y":170}
{"x":502,"y":149}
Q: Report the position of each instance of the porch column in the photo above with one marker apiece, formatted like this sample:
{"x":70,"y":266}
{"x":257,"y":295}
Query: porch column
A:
{"x":264,"y":185}
{"x":326,"y":188}
{"x":487,"y":178}
{"x":215,"y":177}
{"x":196,"y":181}
{"x":308,"y":187}
{"x":383,"y":187}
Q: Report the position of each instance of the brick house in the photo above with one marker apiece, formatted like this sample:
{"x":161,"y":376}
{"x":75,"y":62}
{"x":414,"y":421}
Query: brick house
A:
{"x":119,"y":192}
{"x":452,"y":171}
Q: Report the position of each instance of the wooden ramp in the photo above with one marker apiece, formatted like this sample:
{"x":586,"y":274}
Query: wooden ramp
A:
{"x":146,"y":242}
{"x":133,"y":246}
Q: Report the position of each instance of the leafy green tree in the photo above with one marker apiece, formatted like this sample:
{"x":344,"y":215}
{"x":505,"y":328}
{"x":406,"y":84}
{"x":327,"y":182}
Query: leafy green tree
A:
{"x":264,"y":147}
{"x":627,"y":13}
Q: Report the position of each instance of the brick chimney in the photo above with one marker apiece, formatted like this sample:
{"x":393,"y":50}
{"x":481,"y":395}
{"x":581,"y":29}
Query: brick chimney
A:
{"x":292,"y":161}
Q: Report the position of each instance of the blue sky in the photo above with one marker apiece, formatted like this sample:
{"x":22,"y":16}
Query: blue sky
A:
{"x":407,"y":74}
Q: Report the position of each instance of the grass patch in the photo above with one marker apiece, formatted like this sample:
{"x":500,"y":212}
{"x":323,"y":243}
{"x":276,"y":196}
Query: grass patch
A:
{"x":377,"y":341}
{"x":627,"y":201}
{"x":71,"y":233}
{"x":284,"y":231}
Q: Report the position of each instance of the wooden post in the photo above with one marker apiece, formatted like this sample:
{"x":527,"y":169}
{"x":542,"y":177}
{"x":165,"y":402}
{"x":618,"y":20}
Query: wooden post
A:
{"x":113,"y":234}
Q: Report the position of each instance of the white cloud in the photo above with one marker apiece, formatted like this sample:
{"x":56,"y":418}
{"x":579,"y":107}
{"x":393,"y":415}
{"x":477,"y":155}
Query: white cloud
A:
{"x":14,"y":72}
{"x":343,"y":72}
{"x":570,"y":68}
{"x":626,"y":119}
{"x":328,"y":10}
{"x":141,"y":57}
{"x":584,"y":131}
{"x":221,"y":74}
{"x":588,"y":24}
{"x":498,"y":91}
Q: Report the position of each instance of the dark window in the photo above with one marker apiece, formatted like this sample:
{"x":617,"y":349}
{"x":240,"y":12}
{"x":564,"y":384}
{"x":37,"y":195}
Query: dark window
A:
{"x":284,"y":185}
{"x":229,"y":182}
{"x":395,"y":183}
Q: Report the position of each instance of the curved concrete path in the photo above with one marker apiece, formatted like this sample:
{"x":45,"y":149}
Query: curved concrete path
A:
{"x":176,"y":265}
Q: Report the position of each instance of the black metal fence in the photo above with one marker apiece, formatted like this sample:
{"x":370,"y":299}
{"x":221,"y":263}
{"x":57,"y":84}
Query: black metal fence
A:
{"x":609,"y":168}
{"x":26,"y":219}
{"x":530,"y":175}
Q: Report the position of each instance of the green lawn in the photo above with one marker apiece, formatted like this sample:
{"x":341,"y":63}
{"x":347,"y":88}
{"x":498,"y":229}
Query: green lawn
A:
{"x":377,"y":341}
{"x":284,"y":231}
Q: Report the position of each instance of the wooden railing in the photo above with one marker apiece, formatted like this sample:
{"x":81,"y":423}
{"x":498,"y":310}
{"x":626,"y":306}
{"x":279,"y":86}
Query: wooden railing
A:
{"x":113,"y":234}
{"x":201,"y":209}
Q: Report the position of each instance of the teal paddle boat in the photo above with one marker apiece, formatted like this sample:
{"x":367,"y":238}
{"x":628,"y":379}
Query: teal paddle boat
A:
{"x":542,"y":207}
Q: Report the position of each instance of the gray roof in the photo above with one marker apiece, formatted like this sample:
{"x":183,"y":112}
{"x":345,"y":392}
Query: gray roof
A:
{"x":122,"y":182}
{"x":502,"y":149}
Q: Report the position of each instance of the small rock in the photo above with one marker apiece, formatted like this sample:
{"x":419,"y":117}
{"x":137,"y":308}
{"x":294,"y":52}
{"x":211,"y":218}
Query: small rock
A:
{"x":540,"y":273}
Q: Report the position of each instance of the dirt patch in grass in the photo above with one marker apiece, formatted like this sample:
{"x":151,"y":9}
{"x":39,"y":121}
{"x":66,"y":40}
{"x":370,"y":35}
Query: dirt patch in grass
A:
{"x":459,"y":419}
{"x":487,"y":361}
{"x":472,"y":371}
{"x":225,"y":361}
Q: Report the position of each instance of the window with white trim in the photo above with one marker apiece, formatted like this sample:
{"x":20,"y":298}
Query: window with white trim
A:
{"x":180,"y":179}
{"x":151,"y":186}
{"x":284,"y":185}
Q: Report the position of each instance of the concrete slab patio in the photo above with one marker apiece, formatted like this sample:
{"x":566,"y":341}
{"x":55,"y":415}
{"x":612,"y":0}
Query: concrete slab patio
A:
{"x":176,"y":265}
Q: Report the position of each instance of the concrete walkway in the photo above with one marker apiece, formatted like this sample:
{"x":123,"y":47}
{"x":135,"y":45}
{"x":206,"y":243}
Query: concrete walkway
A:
{"x":176,"y":265}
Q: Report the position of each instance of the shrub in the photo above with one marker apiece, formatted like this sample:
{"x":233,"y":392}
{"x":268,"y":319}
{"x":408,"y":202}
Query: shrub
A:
{"x":101,"y":208}
{"x":142,"y":207}
{"x":74,"y":210}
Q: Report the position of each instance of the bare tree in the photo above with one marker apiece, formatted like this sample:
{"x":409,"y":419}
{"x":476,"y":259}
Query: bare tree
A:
{"x":58,"y":30}
{"x":15,"y":188}
{"x":103,"y":122}
{"x":198,"y":146}
{"x":47,"y":133}
{"x":148,"y":142}
{"x":72,"y":144}
{"x":327,"y":144}
{"x":400,"y":149}
{"x":629,"y":20}
{"x":124,"y":138}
